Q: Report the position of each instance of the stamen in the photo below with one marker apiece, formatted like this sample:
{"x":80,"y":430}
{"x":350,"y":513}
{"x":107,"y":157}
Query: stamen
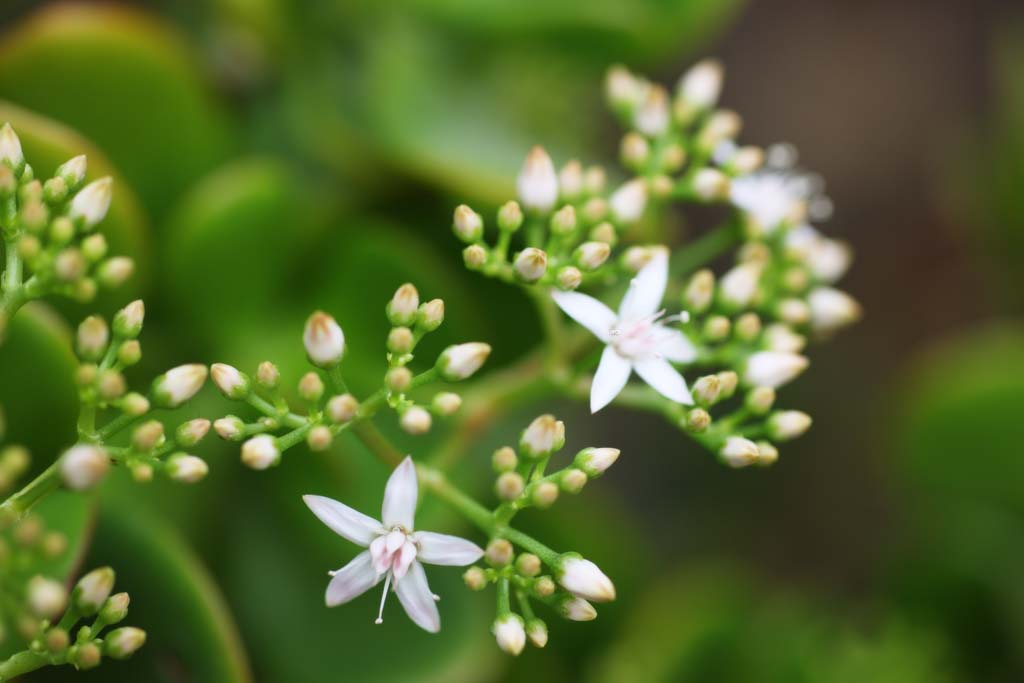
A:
{"x":332,"y":572}
{"x":437,"y":598}
{"x":383,"y":597}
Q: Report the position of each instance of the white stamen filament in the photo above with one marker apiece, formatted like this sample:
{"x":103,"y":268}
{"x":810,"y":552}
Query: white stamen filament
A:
{"x":383,"y":597}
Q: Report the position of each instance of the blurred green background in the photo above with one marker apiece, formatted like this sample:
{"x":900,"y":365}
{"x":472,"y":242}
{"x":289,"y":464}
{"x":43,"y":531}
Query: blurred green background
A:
{"x":276,"y":156}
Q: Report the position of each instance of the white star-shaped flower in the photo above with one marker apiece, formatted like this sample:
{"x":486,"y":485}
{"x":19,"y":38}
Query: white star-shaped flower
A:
{"x":638,"y":339}
{"x":394,"y":551}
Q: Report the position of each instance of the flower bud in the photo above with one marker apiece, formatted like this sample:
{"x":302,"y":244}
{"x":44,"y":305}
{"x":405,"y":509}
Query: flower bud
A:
{"x":767,"y":453}
{"x":563,"y":222}
{"x":187,"y":469}
{"x":110,"y":385}
{"x":699,"y":291}
{"x":147,"y":436}
{"x":311,"y":387}
{"x":720,"y":126}
{"x":509,"y":486}
{"x":788,"y":424}
{"x":592,"y":255}
{"x":510,"y":633}
{"x":569,"y":277}
{"x":115,"y":609}
{"x":229,"y":428}
{"x":696,"y":421}
{"x":773,"y":368}
{"x":628,"y":202}
{"x":544,"y":587}
{"x":398,"y":379}
{"x":94,"y":247}
{"x":739,"y":452}
{"x":446,"y":403}
{"x":537,"y":184}
{"x":652,"y":116}
{"x":634,"y":150}
{"x":604,"y":232}
{"x":85,"y":656}
{"x":10,"y":148}
{"x":474,"y":256}
{"x":706,"y":390}
{"x":114,"y":272}
{"x":400,"y":340}
{"x":510,"y":217}
{"x":622,"y":88}
{"x":504,"y":460}
{"x":747,"y":160}
{"x":462,"y":360}
{"x":583,"y":579}
{"x":577,"y":609}
{"x":528,"y":564}
{"x":468,"y":224}
{"x":537,"y":632}
{"x":404,"y":305}
{"x":319,"y":439}
{"x":134,"y":404}
{"x":72,"y":171}
{"x":46,"y":598}
{"x":83,"y":290}
{"x":267,"y":375}
{"x":416,"y":420}
{"x":92,"y":590}
{"x":83,"y":466}
{"x":192,"y":432}
{"x":324,"y":340}
{"x":91,"y":203}
{"x":499,"y":552}
{"x":178,"y":385}
{"x":573,"y":480}
{"x":542,"y":437}
{"x":595,"y":209}
{"x":739,"y":285}
{"x":128,"y":321}
{"x":595,"y":461}
{"x":701,"y":85}
{"x":55,"y":190}
{"x":56,"y":640}
{"x":342,"y":408}
{"x":260,"y":452}
{"x":828,"y":259}
{"x":545,"y":494}
{"x":831,"y":309}
{"x":431,"y":315}
{"x":129,"y":353}
{"x":710,"y":184}
{"x":760,"y":400}
{"x":93,"y":337}
{"x":232,"y":383}
{"x":123,"y":642}
{"x":780,"y":337}
{"x":531,"y":264}
{"x":727,"y":383}
{"x":793,"y":311}
{"x":747,"y":327}
{"x":475,"y":579}
{"x":570,"y":180}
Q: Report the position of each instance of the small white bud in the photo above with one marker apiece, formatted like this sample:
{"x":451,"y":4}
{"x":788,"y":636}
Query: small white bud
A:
{"x":462,"y":360}
{"x":537,"y":632}
{"x":570,"y":180}
{"x":510,"y":634}
{"x":739,"y":285}
{"x":569,"y":277}
{"x":760,"y":400}
{"x":788,"y":424}
{"x":531,"y":264}
{"x":404,"y":305}
{"x":577,"y":609}
{"x":416,"y":420}
{"x":128,"y":321}
{"x":474,"y":256}
{"x":178,"y":385}
{"x":431,"y":315}
{"x":699,"y":291}
{"x":92,"y":590}
{"x":739,"y":452}
{"x":72,"y":170}
{"x":229,"y":428}
{"x":92,"y":202}
{"x":592,"y":255}
{"x":628,"y":202}
{"x":123,"y":642}
{"x":260,"y":452}
{"x":793,"y":311}
{"x":83,"y":466}
{"x":652,"y":116}
{"x":767,"y":453}
{"x":114,"y":272}
{"x":747,"y":160}
{"x":702,"y":84}
{"x":231,"y":382}
{"x":780,"y":337}
{"x":10,"y":147}
{"x":710,"y":184}
{"x":773,"y":368}
{"x":468,"y":224}
{"x":342,"y":408}
{"x":185,"y":468}
{"x":584,"y":579}
{"x":831,"y":309}
{"x":622,"y":88}
{"x":93,"y":337}
{"x":510,"y":216}
{"x":446,"y":403}
{"x":542,"y":437}
{"x":721,"y":126}
{"x":324,"y":340}
{"x":828,"y":259}
{"x":190,"y":433}
{"x":537,"y":183}
{"x":595,"y":461}
{"x":707,"y":389}
{"x":46,"y":597}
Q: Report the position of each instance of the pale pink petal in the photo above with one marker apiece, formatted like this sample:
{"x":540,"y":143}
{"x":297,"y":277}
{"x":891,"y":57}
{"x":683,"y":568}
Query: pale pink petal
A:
{"x":674,"y":346}
{"x":394,"y":540}
{"x":400,"y":496}
{"x":612,"y":374}
{"x":446,"y":550}
{"x":587,"y":311}
{"x":379,"y":553}
{"x":647,"y":289}
{"x":343,"y":520}
{"x":664,"y":378}
{"x":416,"y":598}
{"x":352,"y":580}
{"x":403,"y":559}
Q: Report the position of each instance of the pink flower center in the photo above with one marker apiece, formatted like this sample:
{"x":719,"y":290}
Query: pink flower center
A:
{"x":642,"y":337}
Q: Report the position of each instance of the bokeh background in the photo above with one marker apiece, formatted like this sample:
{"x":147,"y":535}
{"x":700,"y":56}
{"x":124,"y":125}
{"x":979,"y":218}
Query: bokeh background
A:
{"x":276,"y":156}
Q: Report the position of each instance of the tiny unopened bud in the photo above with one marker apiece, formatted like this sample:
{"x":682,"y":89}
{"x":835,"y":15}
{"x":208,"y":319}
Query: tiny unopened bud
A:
{"x":416,"y":420}
{"x":696,"y":421}
{"x":577,"y":609}
{"x":793,"y":311}
{"x":780,"y":337}
{"x":142,"y":472}
{"x":260,"y":452}
{"x":94,"y":247}
{"x":595,"y":461}
{"x":739,"y":285}
{"x":570,"y":180}
{"x":400,"y":340}
{"x":192,"y":432}
{"x":93,"y":336}
{"x":747,"y":160}
{"x":788,"y":424}
{"x":773,"y":368}
{"x":542,"y":437}
{"x":760,"y":400}
{"x":544,"y":587}
{"x":604,"y":232}
{"x":72,"y":171}
{"x":710,"y":184}
{"x":115,"y":271}
{"x":545,"y":494}
{"x":398,"y":379}
{"x":84,"y":290}
{"x":134,"y":404}
{"x":431,"y":315}
{"x":531,"y":264}
{"x":123,"y":642}
{"x":706,"y":390}
{"x":128,"y":321}
{"x":115,"y":609}
{"x":699,"y":291}
{"x":509,"y":485}
{"x":475,"y":579}
{"x":311,"y":387}
{"x":634,"y":150}
{"x":404,"y":305}
{"x":187,"y":469}
{"x":829,"y":259}
{"x":85,"y":656}
{"x":595,"y":209}
{"x":324,"y":340}
{"x":83,"y":466}
{"x":319,"y":439}
{"x":55,"y":190}
{"x":446,"y":403}
{"x":831,"y":309}
{"x":10,"y":148}
{"x":62,"y":230}
{"x":728,"y":380}
{"x":739,"y":452}
{"x":635,"y":258}
{"x":537,"y":184}
{"x":147,"y":436}
{"x":573,"y":480}
{"x":628,"y":202}
{"x":537,"y":632}
{"x":129,"y":353}
{"x":233,"y":383}
{"x":528,"y":564}
{"x":563,"y":221}
{"x":268,"y":375}
{"x":594,"y":180}
{"x":510,"y":633}
{"x":622,"y":88}
{"x":499,"y":552}
{"x":110,"y":385}
{"x":716,"y":328}
{"x":504,"y":459}
{"x":468,"y":224}
{"x":342,"y":408}
{"x":652,"y":116}
{"x":69,"y":265}
{"x":474,"y":256}
{"x":720,"y":126}
{"x":56,"y":640}
{"x":91,"y":203}
{"x":592,"y":255}
{"x":569,"y":277}
{"x":229,"y":428}
{"x":701,"y":85}
{"x":46,"y":598}
{"x":510,"y":217}
{"x":92,"y":590}
{"x":767,"y":453}
{"x":462,"y":360}
{"x":178,"y":385}
{"x":584,"y":579}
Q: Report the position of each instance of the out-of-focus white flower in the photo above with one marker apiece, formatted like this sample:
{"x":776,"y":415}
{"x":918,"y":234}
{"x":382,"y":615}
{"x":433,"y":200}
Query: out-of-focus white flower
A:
{"x":773,"y":368}
{"x":701,"y":85}
{"x":831,"y":309}
{"x":394,"y":550}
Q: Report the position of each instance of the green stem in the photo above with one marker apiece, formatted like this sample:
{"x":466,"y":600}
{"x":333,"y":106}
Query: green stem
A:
{"x":22,"y":501}
{"x":504,"y":606}
{"x":21,"y":663}
{"x":337,"y":381}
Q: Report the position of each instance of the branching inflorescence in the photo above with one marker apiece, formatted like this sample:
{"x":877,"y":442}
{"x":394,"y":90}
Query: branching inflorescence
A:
{"x":711,"y":352}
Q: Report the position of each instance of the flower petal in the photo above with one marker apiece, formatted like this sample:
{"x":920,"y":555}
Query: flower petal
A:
{"x":352,"y":580}
{"x":647,"y":289}
{"x":664,"y":378}
{"x":400,"y":496}
{"x":403,"y":559}
{"x":587,"y":311}
{"x":343,"y":520}
{"x":673,"y":345}
{"x":446,"y":550}
{"x":612,"y":374}
{"x":416,"y":598}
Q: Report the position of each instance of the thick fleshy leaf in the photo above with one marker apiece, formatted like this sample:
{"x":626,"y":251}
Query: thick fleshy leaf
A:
{"x":446,"y":550}
{"x":400,"y":495}
{"x":352,"y":580}
{"x":612,"y":374}
{"x":587,"y":311}
{"x":647,"y":289}
{"x":343,"y":520}
{"x":664,"y":378}
{"x":418,"y":601}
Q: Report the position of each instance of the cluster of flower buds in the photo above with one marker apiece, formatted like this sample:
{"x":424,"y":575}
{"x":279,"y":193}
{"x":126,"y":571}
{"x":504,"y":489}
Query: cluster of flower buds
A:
{"x":105,"y":351}
{"x":564,"y":581}
{"x":328,"y":413}
{"x":50,"y":225}
{"x":25,"y":544}
{"x":49,"y":614}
